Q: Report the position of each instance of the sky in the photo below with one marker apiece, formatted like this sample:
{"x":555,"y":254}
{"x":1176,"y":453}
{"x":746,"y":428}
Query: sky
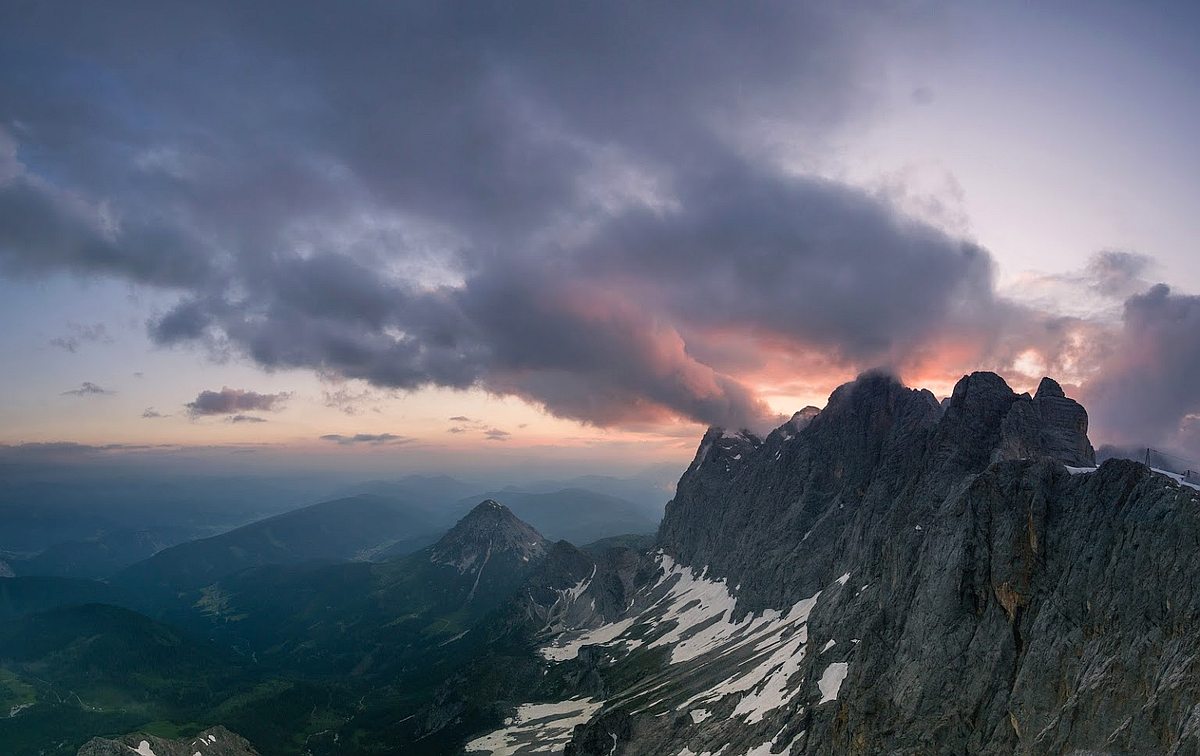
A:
{"x":433,"y":234}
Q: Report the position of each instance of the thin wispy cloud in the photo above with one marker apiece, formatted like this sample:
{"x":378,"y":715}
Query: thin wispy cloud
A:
{"x":370,"y":439}
{"x":78,"y":335}
{"x":87,"y":388}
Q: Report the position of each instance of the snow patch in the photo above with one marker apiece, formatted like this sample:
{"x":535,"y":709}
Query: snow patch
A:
{"x":143,"y":749}
{"x":828,"y":645}
{"x":765,"y":750}
{"x":569,"y":649}
{"x":831,"y":681}
{"x":540,"y":727}
{"x":15,"y":710}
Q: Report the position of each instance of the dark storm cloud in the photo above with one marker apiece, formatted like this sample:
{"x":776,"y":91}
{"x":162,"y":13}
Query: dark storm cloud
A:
{"x":44,"y":229}
{"x":1146,"y":391}
{"x":370,"y":439}
{"x":229,"y":401}
{"x":580,"y":204}
{"x":87,"y":388}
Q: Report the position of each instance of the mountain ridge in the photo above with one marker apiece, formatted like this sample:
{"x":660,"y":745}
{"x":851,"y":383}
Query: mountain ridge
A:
{"x":895,"y":574}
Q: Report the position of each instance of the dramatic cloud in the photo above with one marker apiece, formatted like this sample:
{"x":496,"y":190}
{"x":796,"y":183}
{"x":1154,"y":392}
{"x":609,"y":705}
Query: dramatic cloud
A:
{"x":229,"y":401}
{"x":599,"y":208}
{"x":87,"y":388}
{"x":77,"y":335}
{"x":1146,"y":391}
{"x":371,"y":439}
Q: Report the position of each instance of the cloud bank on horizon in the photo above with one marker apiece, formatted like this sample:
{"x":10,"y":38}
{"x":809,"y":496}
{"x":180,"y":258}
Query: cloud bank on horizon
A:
{"x":582,"y":205}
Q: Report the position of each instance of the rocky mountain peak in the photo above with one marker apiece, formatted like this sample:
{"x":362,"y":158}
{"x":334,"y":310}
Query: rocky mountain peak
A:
{"x":1049,"y":388}
{"x":488,"y":531}
{"x":1048,"y":425}
{"x":215,"y":741}
{"x":804,"y":416}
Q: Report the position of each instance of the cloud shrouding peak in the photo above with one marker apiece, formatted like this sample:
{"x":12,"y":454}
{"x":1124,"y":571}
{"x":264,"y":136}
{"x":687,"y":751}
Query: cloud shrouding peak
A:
{"x":229,"y":401}
{"x":582,"y":205}
{"x":1146,"y":389}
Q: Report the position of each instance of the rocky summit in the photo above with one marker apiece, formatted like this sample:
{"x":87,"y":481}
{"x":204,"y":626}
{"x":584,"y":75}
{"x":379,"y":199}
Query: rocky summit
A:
{"x":489,"y":529}
{"x":215,"y":741}
{"x":891,"y":574}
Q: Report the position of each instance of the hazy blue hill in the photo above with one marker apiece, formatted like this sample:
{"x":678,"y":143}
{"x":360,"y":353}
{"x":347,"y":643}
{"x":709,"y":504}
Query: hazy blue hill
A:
{"x":26,"y":595}
{"x":41,"y":508}
{"x":358,"y":527}
{"x":573,"y":514}
{"x":647,"y":494}
{"x":636,"y":542}
{"x":101,"y":557}
{"x":413,"y":651}
{"x":366,"y":619}
{"x":431,"y":493}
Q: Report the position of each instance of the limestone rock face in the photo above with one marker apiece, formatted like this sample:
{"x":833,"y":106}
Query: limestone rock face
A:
{"x":951,"y":578}
{"x":215,"y":741}
{"x":1048,"y":425}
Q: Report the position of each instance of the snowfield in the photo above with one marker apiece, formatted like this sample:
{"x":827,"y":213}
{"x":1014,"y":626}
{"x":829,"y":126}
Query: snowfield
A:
{"x":756,"y":660}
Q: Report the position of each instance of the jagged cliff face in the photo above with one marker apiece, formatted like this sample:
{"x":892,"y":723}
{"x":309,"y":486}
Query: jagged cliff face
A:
{"x":779,"y":515}
{"x":890,"y":575}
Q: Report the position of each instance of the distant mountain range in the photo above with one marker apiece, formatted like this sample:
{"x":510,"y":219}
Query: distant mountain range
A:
{"x":355,"y":528}
{"x":432,"y":503}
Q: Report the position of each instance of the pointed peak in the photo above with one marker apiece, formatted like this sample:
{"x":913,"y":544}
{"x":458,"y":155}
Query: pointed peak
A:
{"x":490,"y":506}
{"x":489,"y":529}
{"x":490,"y":513}
{"x":1049,"y":388}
